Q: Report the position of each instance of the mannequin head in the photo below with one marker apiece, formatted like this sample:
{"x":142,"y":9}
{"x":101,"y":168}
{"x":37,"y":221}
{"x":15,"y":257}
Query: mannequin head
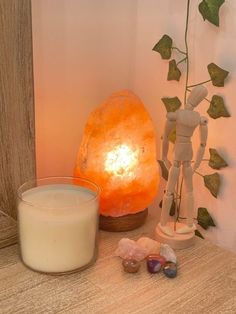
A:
{"x":196,"y":95}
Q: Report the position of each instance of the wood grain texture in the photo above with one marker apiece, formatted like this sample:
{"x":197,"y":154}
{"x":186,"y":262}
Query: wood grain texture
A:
{"x":8,"y":230}
{"x":123,"y":223}
{"x":17,"y":134}
{"x":206,"y":283}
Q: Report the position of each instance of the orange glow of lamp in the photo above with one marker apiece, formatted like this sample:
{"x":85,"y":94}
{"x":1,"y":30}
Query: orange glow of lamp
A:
{"x":118,"y":152}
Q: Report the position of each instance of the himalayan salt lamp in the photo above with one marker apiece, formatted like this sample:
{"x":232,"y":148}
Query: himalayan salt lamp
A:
{"x":118,"y":152}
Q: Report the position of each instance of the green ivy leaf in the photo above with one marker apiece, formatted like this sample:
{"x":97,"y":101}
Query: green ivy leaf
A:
{"x":198,"y":234}
{"x":217,"y":74}
{"x":164,"y":170}
{"x":204,"y":219}
{"x":174,"y":72}
{"x":164,"y":46}
{"x":171,"y":103}
{"x":212,"y":182}
{"x":172,"y":135}
{"x":217,"y":108}
{"x":216,"y":161}
{"x":209,"y":10}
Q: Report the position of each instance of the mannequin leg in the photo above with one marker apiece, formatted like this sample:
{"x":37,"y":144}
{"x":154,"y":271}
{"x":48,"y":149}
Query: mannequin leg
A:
{"x":168,"y":198}
{"x":188,"y":179}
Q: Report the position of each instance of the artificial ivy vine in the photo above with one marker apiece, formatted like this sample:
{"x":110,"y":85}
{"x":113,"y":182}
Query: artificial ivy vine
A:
{"x":209,"y":9}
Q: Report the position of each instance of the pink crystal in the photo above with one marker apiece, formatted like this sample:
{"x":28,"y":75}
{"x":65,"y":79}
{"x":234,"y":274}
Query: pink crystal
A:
{"x":128,"y":249}
{"x":152,"y":246}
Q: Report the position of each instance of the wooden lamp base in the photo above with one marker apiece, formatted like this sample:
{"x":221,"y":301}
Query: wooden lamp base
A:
{"x":178,"y":241}
{"x":123,"y":223}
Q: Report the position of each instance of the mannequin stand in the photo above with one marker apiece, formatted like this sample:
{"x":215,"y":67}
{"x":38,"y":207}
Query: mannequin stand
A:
{"x":178,"y":241}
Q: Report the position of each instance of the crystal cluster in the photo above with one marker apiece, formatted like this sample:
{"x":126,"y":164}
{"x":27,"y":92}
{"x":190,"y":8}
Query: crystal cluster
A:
{"x":158,"y":256}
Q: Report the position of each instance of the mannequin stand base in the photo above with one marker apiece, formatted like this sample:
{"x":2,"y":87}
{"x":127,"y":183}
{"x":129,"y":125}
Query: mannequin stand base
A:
{"x":178,"y":241}
{"x":123,"y":223}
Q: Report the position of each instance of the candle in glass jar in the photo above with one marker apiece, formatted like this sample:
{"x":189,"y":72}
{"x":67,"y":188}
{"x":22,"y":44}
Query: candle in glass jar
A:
{"x":57,"y":227}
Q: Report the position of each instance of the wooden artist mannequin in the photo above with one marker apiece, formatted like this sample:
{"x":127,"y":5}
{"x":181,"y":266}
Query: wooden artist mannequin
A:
{"x":186,"y":121}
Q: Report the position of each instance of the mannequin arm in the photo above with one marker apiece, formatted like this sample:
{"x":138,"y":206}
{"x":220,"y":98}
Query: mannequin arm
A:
{"x":170,"y":123}
{"x":203,"y":139}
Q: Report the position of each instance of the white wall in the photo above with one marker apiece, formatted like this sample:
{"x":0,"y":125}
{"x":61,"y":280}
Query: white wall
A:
{"x":86,"y":49}
{"x":83,"y":51}
{"x":207,"y":43}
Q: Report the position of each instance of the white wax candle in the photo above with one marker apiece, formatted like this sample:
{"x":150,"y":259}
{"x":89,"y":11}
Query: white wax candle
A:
{"x":58,"y":233}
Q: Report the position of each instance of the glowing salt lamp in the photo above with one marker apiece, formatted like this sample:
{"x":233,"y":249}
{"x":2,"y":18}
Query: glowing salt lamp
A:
{"x":118,"y":152}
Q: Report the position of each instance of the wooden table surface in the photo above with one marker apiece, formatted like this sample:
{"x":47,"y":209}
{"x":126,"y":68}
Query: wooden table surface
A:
{"x":206,"y":283}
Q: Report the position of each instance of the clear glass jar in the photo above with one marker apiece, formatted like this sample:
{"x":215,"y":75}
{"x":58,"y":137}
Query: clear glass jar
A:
{"x":58,"y":224}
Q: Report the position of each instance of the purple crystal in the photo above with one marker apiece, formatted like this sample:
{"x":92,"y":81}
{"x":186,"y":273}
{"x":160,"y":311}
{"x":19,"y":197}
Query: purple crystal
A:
{"x":153,"y":265}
